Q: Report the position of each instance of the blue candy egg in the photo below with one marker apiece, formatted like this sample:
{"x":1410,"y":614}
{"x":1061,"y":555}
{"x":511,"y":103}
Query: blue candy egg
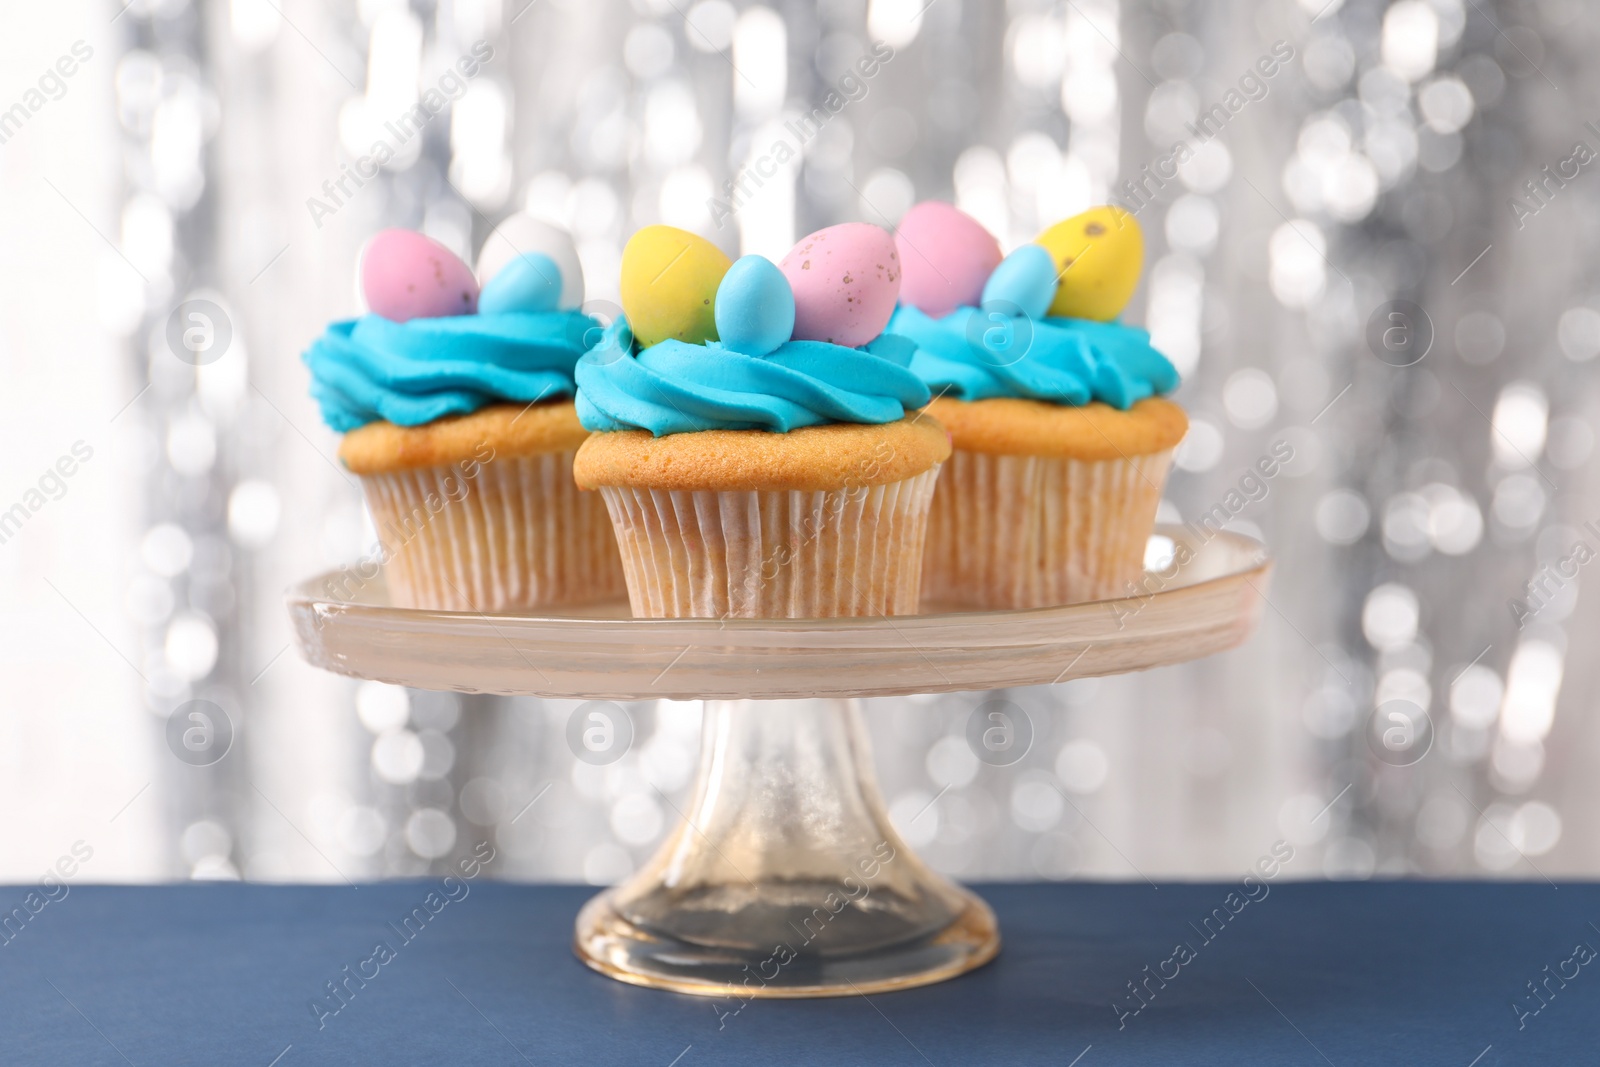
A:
{"x":1026,"y":279}
{"x":530,"y":282}
{"x":755,"y":307}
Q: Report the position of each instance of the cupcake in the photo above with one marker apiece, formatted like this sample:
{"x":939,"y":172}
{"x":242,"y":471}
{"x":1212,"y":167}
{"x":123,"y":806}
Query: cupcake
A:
{"x":1062,"y":438}
{"x":457,"y":414}
{"x":757,"y":441}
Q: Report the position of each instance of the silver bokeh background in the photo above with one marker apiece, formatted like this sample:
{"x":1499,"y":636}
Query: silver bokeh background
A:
{"x":186,"y":158}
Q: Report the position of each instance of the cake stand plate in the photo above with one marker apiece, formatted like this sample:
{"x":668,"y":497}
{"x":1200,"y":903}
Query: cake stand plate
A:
{"x":784,"y":877}
{"x":1207,"y":604}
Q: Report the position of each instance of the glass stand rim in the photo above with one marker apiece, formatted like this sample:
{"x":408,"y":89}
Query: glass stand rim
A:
{"x":1207,"y":599}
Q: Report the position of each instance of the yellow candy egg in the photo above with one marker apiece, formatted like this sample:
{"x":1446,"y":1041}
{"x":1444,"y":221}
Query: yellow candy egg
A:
{"x":1098,"y":256}
{"x":669,"y":285}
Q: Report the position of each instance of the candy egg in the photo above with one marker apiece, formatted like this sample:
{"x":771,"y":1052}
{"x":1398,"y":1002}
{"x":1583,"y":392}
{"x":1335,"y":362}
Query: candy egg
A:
{"x":405,"y":276}
{"x":530,"y":282}
{"x":522,"y":234}
{"x":754,"y":306}
{"x":669,"y":279}
{"x":946,"y":255}
{"x":845,"y":280}
{"x":1097,"y":255}
{"x":1025,"y":280}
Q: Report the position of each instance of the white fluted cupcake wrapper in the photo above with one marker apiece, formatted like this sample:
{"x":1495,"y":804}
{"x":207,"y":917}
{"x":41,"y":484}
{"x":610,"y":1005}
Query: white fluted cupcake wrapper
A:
{"x":517,"y":534}
{"x":773,"y":554}
{"x":1036,"y":531}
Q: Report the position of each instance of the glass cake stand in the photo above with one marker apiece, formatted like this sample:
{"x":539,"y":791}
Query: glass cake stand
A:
{"x":784,"y":877}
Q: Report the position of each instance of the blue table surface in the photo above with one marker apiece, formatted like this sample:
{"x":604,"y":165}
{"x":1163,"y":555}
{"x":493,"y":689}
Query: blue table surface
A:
{"x":1313,"y":973}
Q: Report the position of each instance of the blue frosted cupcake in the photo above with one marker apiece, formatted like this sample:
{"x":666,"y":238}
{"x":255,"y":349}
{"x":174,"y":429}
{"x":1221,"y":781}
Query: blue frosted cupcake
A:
{"x":1062,"y":437}
{"x":457,"y":412}
{"x":757,"y":439}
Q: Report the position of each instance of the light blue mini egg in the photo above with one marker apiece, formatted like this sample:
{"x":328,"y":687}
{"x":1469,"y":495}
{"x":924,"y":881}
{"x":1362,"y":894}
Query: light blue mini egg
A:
{"x":755,"y":307}
{"x":1026,"y":279}
{"x":530,"y":282}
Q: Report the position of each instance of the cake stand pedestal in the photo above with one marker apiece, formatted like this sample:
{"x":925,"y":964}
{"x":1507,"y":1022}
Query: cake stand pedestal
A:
{"x":784,"y":877}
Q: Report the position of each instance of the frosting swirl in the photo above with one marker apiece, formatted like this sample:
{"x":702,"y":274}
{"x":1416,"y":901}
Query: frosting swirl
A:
{"x":977,"y":354}
{"x":414,"y":372}
{"x":674,"y":387}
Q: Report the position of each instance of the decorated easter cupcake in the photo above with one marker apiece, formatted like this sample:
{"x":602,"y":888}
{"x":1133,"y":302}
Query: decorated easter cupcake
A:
{"x":1062,"y":438}
{"x":457,"y":413}
{"x":758,"y":442}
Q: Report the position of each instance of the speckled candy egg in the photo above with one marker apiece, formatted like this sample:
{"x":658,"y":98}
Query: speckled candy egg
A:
{"x":522,"y":234}
{"x":1098,"y":256}
{"x":946,"y":255}
{"x":845,"y":280}
{"x":669,"y":283}
{"x":406,"y":276}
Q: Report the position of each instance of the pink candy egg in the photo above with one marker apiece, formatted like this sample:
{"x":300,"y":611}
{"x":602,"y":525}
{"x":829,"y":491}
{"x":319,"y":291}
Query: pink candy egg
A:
{"x":405,"y":276}
{"x":845,"y":280}
{"x":946,"y":255}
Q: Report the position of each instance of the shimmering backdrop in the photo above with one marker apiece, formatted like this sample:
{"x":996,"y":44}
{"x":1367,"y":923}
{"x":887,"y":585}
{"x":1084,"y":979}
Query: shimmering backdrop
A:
{"x":1366,"y":226}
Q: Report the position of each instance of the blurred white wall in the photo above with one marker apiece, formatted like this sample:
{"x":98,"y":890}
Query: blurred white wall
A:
{"x":75,"y":745}
{"x":1381,"y":160}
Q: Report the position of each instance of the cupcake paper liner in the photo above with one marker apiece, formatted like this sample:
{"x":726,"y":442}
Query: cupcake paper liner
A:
{"x":773,"y":554}
{"x":519,"y":534}
{"x":1009,"y":531}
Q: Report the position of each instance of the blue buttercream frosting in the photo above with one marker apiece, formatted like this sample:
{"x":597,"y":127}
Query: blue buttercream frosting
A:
{"x":982,"y":353}
{"x":414,"y":372}
{"x":674,"y":387}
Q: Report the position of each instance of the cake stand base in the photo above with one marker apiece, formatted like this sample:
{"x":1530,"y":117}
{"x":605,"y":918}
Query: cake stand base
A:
{"x":784,"y":877}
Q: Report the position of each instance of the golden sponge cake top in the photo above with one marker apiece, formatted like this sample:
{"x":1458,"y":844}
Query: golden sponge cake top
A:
{"x":812,"y":458}
{"x":1013,"y":427}
{"x":497,"y":430}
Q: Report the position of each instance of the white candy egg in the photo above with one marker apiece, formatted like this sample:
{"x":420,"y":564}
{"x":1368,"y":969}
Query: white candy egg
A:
{"x":522,"y":233}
